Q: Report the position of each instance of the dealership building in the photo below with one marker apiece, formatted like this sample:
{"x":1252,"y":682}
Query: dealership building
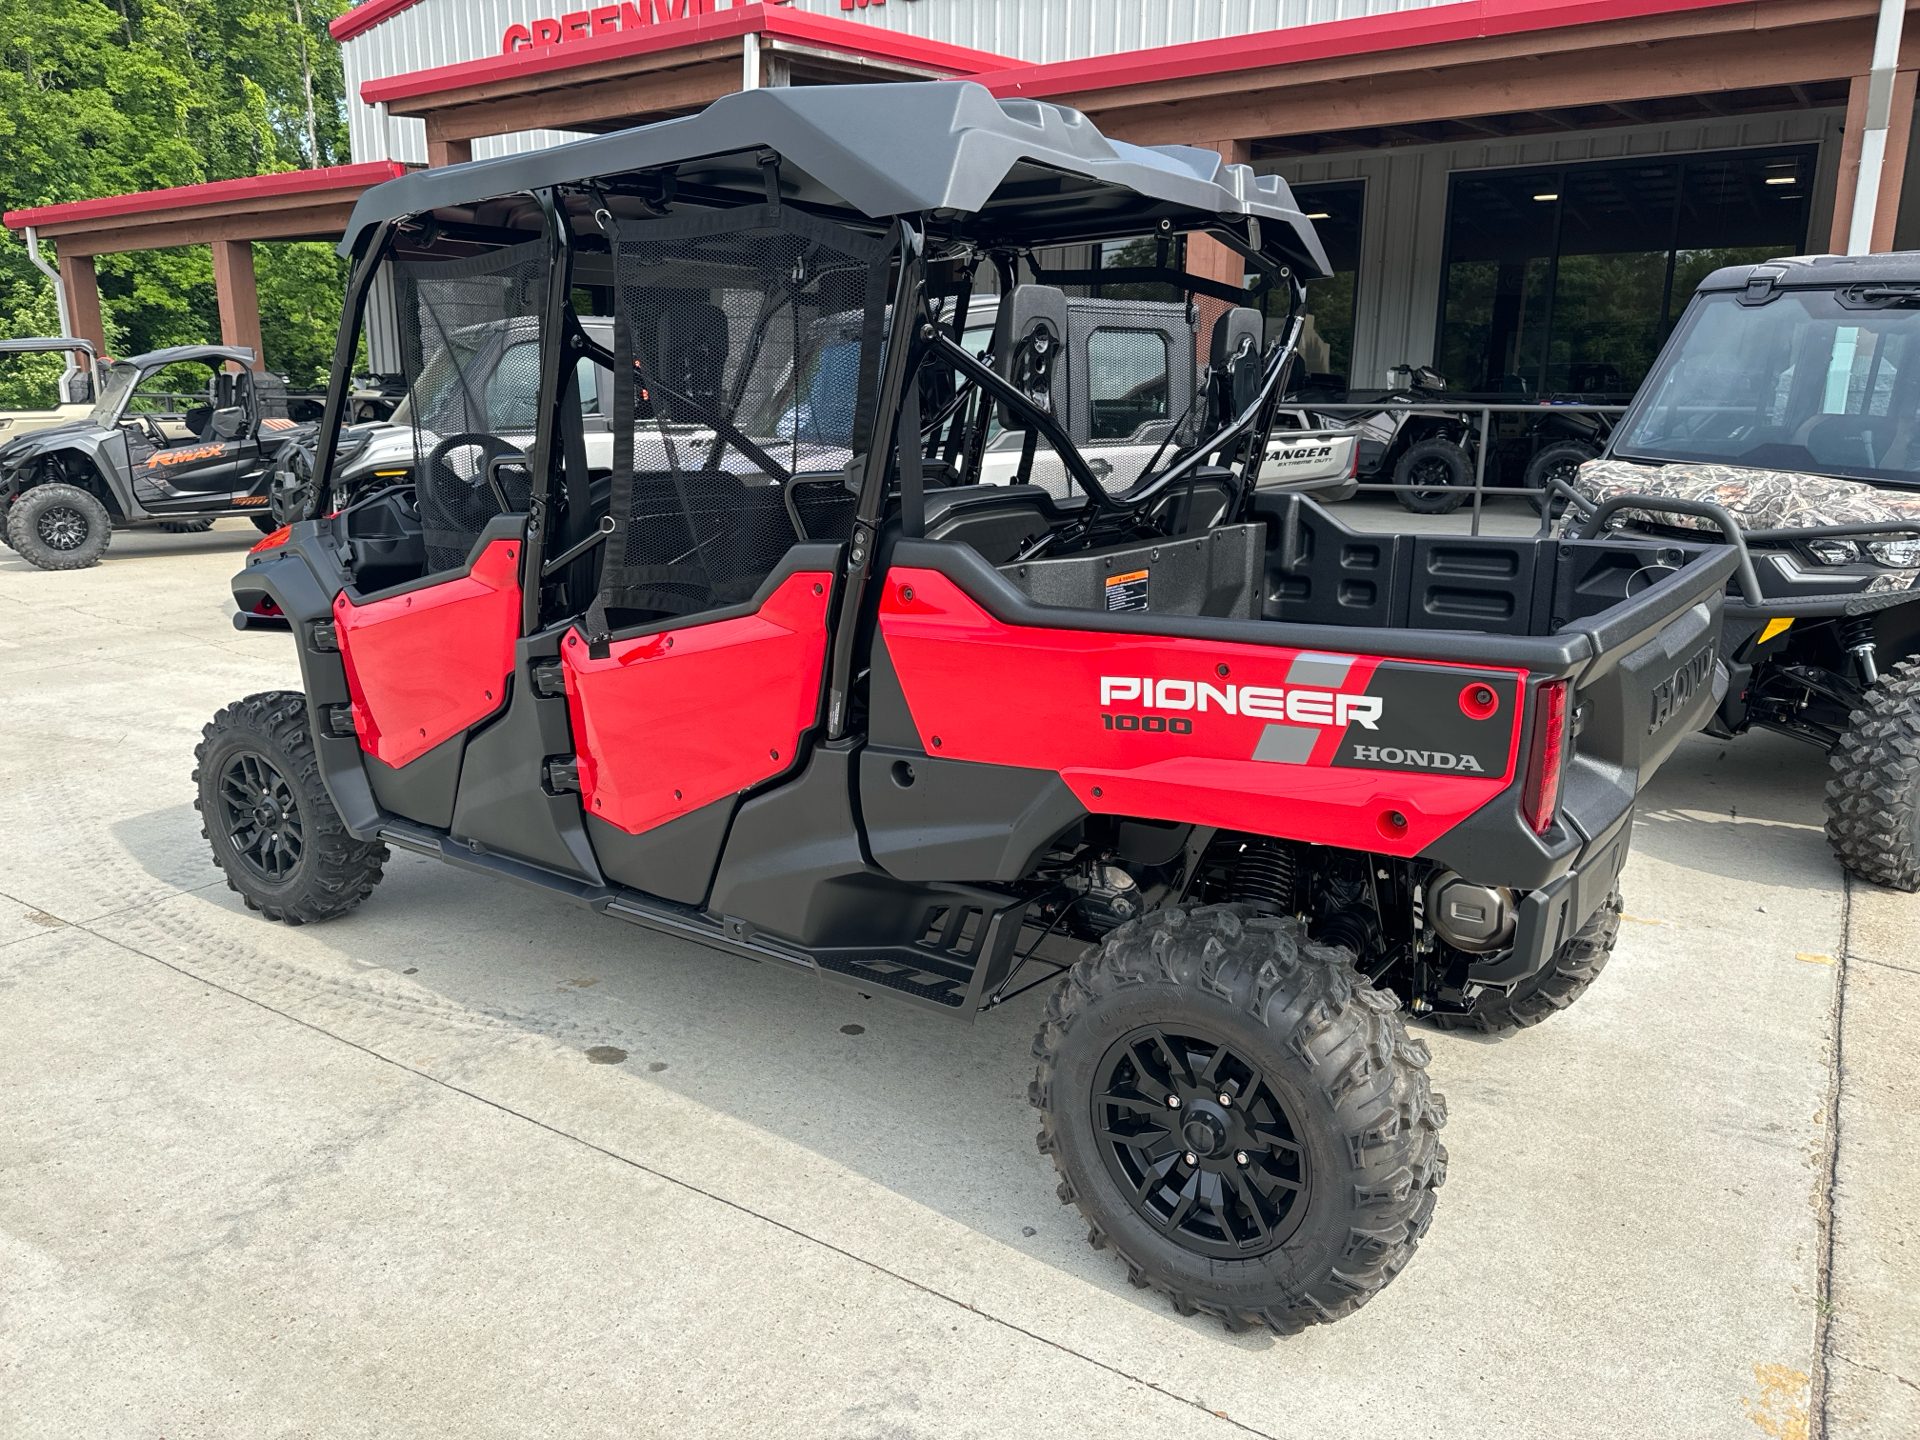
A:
{"x":1522,"y":195}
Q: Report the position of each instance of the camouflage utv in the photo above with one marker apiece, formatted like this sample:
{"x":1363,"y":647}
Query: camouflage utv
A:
{"x":1785,"y":410}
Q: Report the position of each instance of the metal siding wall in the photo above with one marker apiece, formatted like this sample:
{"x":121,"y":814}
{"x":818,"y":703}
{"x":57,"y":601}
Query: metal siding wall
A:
{"x":446,"y":32}
{"x":1404,"y":225}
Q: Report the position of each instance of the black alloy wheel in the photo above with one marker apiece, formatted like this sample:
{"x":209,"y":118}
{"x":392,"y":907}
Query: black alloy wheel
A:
{"x":61,"y":528}
{"x":262,"y":816}
{"x":1199,"y":1143}
{"x":1559,"y":461}
{"x":1440,"y":465}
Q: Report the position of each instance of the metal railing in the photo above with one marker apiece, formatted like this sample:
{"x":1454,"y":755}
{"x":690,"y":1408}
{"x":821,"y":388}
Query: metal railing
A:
{"x":1455,"y":411}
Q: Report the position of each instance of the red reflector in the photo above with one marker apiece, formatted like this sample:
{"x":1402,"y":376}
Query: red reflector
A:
{"x":273,"y":541}
{"x":1542,"y":794}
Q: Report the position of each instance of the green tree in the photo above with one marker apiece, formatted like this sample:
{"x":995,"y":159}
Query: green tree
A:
{"x":104,"y":97}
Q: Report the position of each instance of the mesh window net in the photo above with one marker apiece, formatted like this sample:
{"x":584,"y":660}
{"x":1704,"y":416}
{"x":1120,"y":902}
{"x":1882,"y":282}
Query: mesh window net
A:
{"x":469,"y":335}
{"x":751,"y":342}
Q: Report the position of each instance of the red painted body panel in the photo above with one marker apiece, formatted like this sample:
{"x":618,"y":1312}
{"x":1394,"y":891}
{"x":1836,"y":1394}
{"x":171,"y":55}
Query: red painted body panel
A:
{"x":676,"y":720}
{"x":424,"y":666}
{"x":1009,"y":695}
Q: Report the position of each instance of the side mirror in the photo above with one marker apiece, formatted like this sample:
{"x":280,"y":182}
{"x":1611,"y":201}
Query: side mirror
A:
{"x":229,"y":423}
{"x":1029,"y":349}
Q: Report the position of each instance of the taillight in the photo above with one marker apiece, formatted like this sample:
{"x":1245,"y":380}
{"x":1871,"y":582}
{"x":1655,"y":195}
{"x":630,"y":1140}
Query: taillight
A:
{"x":273,"y":541}
{"x":1542,"y":793}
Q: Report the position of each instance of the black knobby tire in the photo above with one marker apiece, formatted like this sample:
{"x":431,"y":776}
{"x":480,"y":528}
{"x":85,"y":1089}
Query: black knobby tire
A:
{"x":264,"y":524}
{"x":1440,"y":463}
{"x":1560,"y":461}
{"x":1326,"y":1204}
{"x":59,"y":527}
{"x":1873,"y":799}
{"x":199,"y":525}
{"x":1551,"y":989}
{"x":265,"y":811}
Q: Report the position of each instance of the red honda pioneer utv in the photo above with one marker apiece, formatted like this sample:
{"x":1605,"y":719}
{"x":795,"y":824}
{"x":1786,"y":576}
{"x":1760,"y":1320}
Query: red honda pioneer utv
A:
{"x":796,"y":686}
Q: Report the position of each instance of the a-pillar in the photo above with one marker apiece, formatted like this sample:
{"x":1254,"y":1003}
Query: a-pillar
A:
{"x":82,"y":285}
{"x":233,"y":286}
{"x":1207,"y":256}
{"x":1893,"y":168}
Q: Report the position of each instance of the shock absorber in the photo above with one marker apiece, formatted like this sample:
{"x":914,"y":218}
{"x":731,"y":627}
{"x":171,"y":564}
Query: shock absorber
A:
{"x":1263,"y":876}
{"x":1857,"y":633}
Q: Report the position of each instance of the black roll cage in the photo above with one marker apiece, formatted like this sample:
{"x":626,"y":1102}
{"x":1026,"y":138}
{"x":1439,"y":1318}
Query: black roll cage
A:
{"x":916,"y":336}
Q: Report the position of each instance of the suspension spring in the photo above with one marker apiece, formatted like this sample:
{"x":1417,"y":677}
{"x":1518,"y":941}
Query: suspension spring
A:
{"x":1857,"y":633}
{"x":1264,"y":878}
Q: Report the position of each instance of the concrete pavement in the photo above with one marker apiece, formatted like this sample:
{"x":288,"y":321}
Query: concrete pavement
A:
{"x":368,"y":1177}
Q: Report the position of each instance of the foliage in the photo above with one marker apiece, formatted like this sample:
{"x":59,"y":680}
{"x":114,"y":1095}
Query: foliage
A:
{"x":103,"y":97}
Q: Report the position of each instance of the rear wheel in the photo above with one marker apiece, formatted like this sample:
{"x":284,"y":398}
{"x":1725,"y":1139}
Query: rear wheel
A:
{"x":1873,"y":800}
{"x":1239,"y":1116}
{"x":1439,"y":464}
{"x":294,"y":495}
{"x":263,"y":523}
{"x":1559,"y":461}
{"x":197,"y":526}
{"x":59,"y":527}
{"x":267,"y":815}
{"x":1555,"y":986}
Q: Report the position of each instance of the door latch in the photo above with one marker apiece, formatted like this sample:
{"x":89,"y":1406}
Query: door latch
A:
{"x":549,"y":680}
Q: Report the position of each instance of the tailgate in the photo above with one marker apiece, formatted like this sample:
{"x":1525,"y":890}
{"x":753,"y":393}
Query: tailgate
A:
{"x":1656,"y":676}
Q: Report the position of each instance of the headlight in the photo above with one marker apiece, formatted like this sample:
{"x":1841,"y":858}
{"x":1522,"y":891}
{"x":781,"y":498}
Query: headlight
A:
{"x":1832,"y":552}
{"x":1900,"y":554}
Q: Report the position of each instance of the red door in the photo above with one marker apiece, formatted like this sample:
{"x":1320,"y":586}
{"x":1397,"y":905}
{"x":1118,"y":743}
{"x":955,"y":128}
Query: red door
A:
{"x":428,"y":664}
{"x":675,"y":720}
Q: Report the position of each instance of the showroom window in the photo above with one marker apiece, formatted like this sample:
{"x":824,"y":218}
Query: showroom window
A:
{"x":1126,"y":381}
{"x":1566,"y":280}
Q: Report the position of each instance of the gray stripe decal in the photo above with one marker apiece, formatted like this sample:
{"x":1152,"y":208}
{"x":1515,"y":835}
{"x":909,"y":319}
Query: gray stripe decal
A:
{"x":1319,"y":670}
{"x":1286,"y":744}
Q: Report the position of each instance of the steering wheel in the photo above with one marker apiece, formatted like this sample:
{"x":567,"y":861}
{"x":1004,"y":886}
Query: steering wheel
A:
{"x":154,"y":432}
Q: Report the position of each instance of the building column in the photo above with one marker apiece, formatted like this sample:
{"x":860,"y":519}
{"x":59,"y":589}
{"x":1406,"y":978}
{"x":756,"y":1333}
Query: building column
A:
{"x":82,"y":285}
{"x":1207,"y":256}
{"x":448,"y":152}
{"x":1886,"y":209}
{"x":239,"y":299}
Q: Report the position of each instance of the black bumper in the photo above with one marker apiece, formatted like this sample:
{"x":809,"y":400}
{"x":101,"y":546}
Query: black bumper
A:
{"x":1553,"y":914}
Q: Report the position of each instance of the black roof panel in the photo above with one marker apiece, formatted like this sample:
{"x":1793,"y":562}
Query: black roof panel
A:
{"x":887,"y":150}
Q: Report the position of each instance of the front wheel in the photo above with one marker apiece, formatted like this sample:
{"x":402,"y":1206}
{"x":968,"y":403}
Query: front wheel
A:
{"x":1240,"y":1116}
{"x":59,"y":527}
{"x":265,"y":811}
{"x":1559,"y":461}
{"x":1439,"y":464}
{"x":1873,"y":799}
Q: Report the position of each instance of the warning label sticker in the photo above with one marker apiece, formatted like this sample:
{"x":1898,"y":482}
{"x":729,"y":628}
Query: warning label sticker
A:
{"x":1127,"y":592}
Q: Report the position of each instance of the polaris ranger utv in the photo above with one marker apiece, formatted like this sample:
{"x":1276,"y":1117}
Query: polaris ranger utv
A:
{"x":1785,"y":411}
{"x":136,"y":460}
{"x":796,"y":686}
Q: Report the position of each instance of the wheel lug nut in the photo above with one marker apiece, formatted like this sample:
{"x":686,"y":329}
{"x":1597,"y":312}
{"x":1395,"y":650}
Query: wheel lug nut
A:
{"x":1190,"y":1157}
{"x":1240,"y":1157}
{"x":1173,"y":1102}
{"x":1225,"y":1099}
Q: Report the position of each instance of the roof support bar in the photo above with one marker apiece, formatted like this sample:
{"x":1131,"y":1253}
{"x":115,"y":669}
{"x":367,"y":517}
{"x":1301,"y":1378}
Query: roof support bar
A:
{"x":1873,"y":140}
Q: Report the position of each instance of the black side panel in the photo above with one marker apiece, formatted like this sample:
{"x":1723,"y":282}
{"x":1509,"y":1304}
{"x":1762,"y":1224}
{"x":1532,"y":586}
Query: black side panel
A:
{"x":786,"y":845}
{"x":1481,"y":582}
{"x":503,"y":803}
{"x":674,"y":860}
{"x":422,"y":789}
{"x":889,"y":720}
{"x":1217,"y":573}
{"x":930,"y":819}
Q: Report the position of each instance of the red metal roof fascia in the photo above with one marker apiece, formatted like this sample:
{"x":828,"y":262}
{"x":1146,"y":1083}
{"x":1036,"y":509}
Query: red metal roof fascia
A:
{"x":1335,"y":39}
{"x":363,"y":18}
{"x":182,"y":197}
{"x":846,"y":36}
